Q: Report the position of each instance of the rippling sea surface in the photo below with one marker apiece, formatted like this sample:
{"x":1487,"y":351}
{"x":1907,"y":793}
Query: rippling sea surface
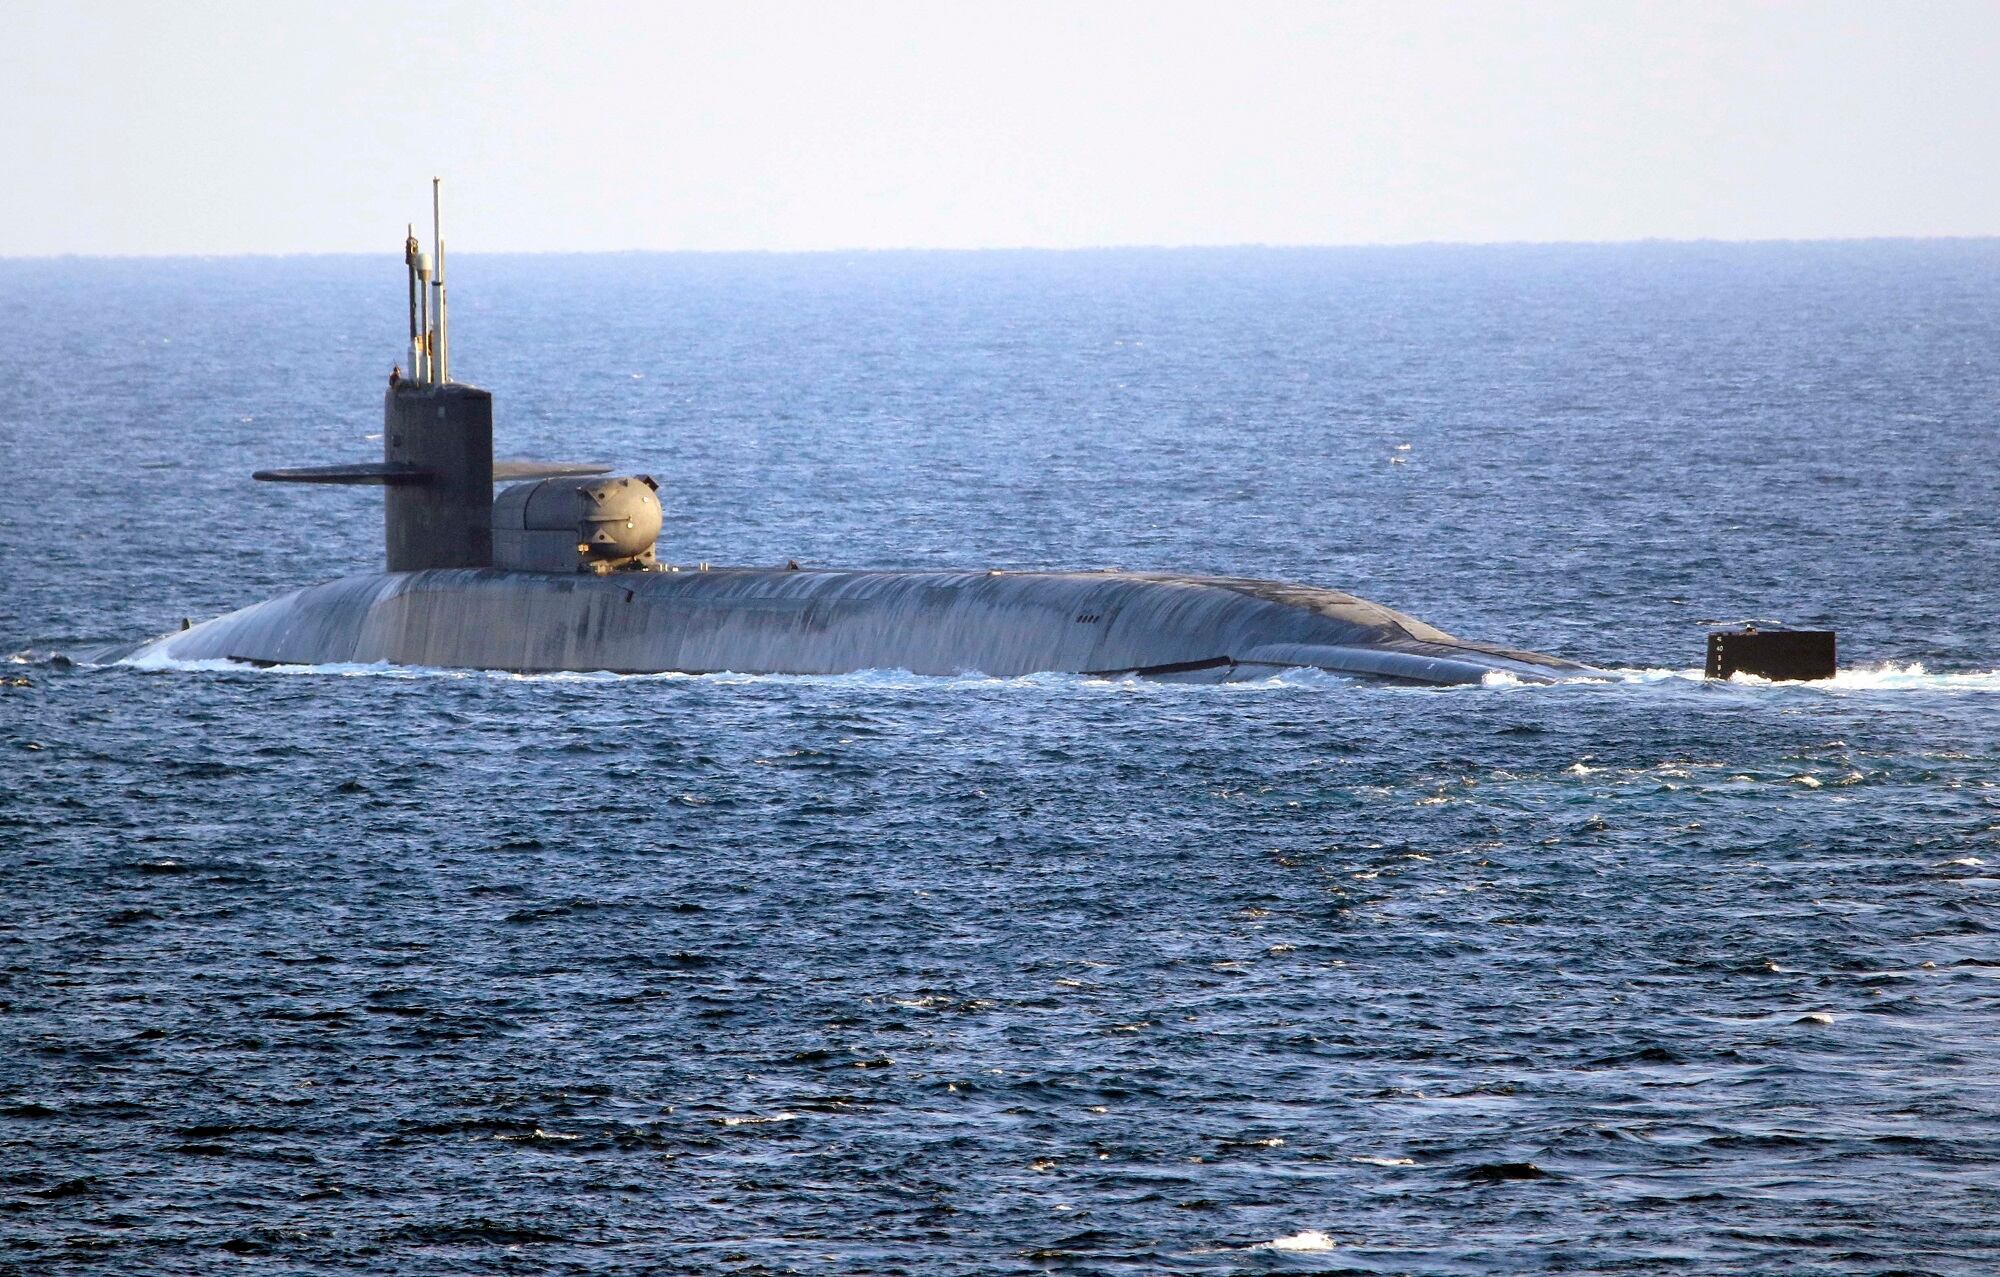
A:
{"x":399,"y":971}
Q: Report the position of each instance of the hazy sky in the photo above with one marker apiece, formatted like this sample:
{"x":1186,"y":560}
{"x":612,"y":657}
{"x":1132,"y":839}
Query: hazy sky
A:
{"x":191,"y":126}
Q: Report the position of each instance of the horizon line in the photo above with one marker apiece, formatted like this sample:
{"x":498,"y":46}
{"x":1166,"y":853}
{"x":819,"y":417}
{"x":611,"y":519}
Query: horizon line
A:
{"x":1238,"y":246}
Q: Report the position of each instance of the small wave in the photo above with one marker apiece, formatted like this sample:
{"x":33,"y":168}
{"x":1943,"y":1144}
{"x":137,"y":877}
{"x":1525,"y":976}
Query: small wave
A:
{"x":1310,"y":1239}
{"x":1296,"y":676}
{"x":1890,"y":676}
{"x":155,"y":660}
{"x":152,"y":660}
{"x":756,"y":1120}
{"x":40,"y":656}
{"x":1887,"y":676}
{"x":538,"y":1135}
{"x":335,"y":669}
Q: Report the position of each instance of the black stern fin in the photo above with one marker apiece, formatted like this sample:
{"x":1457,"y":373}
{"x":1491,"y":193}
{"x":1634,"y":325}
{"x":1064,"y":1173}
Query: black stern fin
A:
{"x":374,"y":473}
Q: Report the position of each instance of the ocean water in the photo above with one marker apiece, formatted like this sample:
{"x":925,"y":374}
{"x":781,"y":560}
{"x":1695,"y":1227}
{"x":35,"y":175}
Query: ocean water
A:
{"x":393,"y":971}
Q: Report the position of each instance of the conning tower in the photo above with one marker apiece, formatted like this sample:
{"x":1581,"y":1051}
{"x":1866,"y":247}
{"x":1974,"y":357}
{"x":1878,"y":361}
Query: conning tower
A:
{"x":445,"y":431}
{"x":437,"y":441}
{"x":432,"y":424}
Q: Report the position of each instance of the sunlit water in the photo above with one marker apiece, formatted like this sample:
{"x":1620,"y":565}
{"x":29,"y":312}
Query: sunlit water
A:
{"x":370,"y":969}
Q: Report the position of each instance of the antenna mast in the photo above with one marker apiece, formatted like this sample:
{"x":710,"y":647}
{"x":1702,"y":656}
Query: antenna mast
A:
{"x":440,"y":346}
{"x":412,"y":251}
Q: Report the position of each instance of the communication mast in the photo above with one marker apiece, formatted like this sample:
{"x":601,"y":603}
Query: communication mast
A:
{"x":430,"y":363}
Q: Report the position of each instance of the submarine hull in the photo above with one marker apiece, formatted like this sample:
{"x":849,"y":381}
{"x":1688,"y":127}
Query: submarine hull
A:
{"x":759,"y":621}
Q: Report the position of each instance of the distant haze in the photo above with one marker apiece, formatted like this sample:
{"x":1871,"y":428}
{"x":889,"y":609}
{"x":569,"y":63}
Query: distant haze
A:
{"x":215,"y":128}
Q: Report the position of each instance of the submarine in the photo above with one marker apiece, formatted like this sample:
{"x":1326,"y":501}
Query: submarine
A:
{"x":562,"y":572}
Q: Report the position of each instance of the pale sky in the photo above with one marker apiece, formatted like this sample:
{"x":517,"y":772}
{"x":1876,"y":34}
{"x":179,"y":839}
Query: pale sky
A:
{"x":199,"y":126}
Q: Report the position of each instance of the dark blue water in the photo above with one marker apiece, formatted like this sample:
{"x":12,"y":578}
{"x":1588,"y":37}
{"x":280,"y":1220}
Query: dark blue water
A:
{"x":402,"y":972}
